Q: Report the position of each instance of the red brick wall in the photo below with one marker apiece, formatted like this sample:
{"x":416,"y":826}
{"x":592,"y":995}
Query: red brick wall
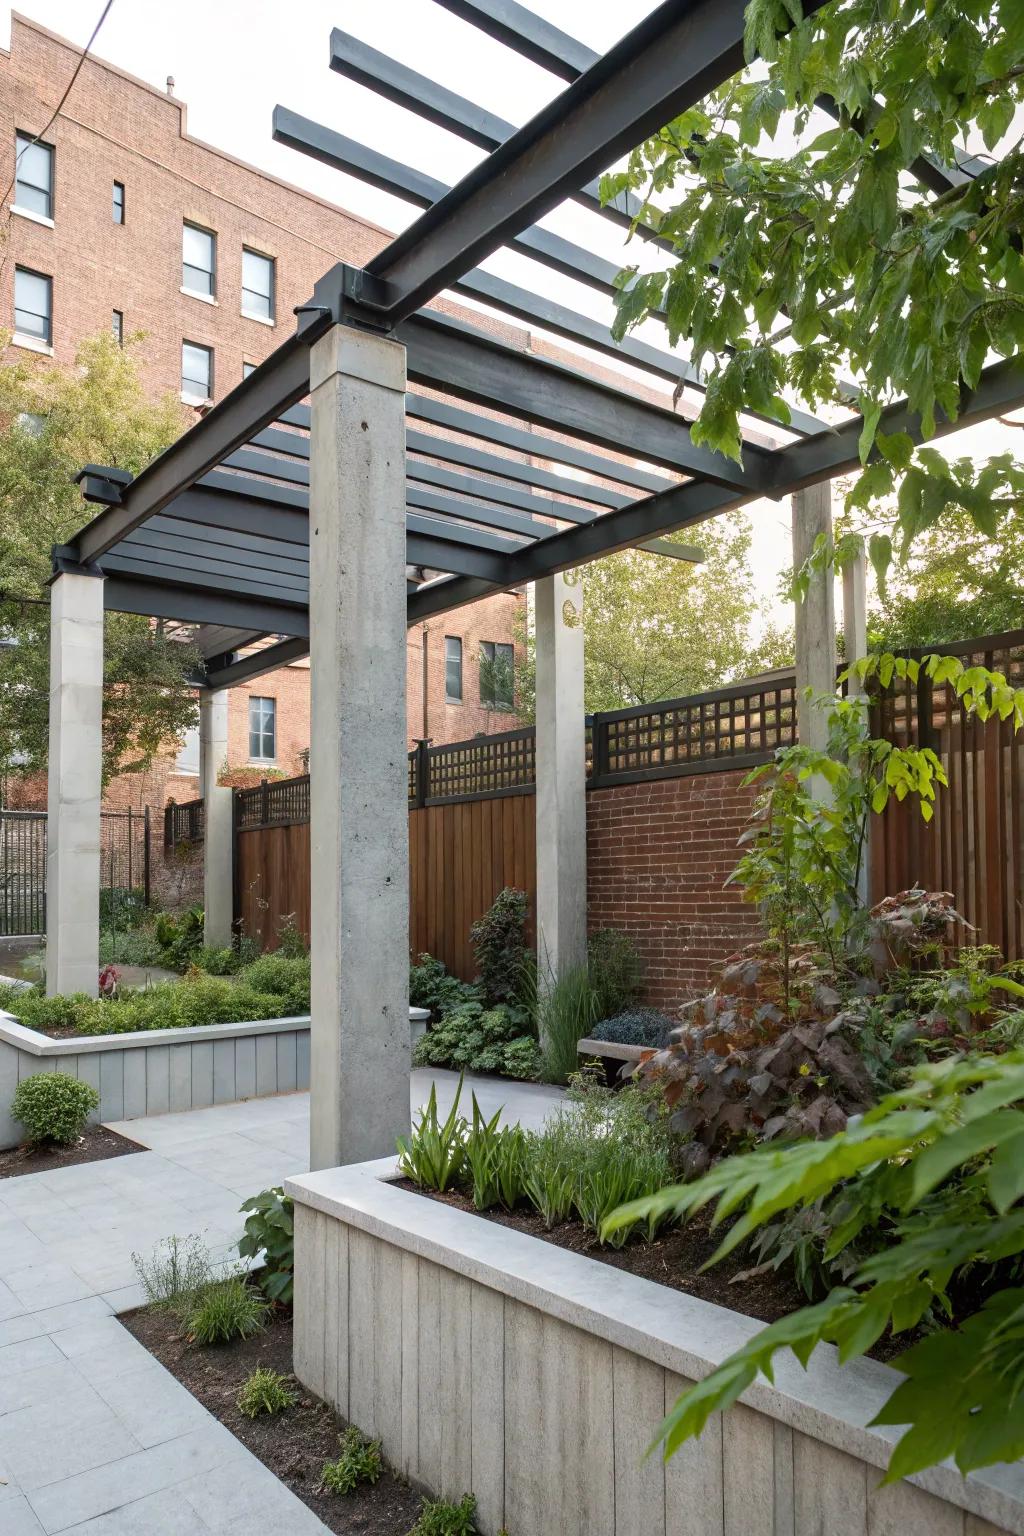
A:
{"x":658,"y":856}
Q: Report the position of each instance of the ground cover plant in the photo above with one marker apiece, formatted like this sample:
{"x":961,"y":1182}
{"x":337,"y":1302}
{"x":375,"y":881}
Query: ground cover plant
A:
{"x":270,"y":1232}
{"x":646,"y":1027}
{"x":359,"y":1461}
{"x":265,"y":1392}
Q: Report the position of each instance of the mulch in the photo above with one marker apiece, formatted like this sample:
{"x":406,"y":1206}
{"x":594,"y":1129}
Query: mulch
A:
{"x":94,"y":1146}
{"x":293,"y":1444}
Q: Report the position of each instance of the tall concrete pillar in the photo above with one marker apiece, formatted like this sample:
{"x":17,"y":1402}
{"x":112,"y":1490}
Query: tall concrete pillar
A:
{"x":74,"y":784}
{"x":561,"y":777}
{"x":815,"y":615}
{"x":359,"y":839}
{"x":218,"y":848}
{"x":855,"y":612}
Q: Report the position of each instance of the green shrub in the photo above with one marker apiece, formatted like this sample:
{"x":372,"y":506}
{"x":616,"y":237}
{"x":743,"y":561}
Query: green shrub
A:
{"x":434,"y":1155}
{"x":176,"y":1274}
{"x":265,"y":1392}
{"x":566,"y":1012}
{"x":132,"y":946}
{"x":228,"y":1309}
{"x":359,"y":1462}
{"x":636,"y":1026}
{"x":430,"y":986}
{"x":472,"y":1038}
{"x":440,"y":1517}
{"x":216,"y":962}
{"x":500,"y":949}
{"x":121,"y":906}
{"x":291,"y":942}
{"x":52,"y":1106}
{"x":37,"y":1011}
{"x":10,"y":994}
{"x":284,"y":976}
{"x":616,"y":971}
{"x":270,"y":1230}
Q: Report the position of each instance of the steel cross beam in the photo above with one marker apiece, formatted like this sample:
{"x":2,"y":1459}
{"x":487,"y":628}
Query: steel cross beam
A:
{"x":671,"y":60}
{"x":225,"y":673}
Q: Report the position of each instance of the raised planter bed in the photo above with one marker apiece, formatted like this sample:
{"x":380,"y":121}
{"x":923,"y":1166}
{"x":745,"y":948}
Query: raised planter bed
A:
{"x":159,"y":1071}
{"x":486,"y":1359}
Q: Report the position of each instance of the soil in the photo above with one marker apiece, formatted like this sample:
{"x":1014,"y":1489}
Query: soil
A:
{"x":94,"y":1146}
{"x":293,"y":1444}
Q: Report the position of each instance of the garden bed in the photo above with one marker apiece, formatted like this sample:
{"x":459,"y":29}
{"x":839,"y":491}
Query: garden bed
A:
{"x":293,"y":1444}
{"x":95,"y":1146}
{"x":476,"y":1351}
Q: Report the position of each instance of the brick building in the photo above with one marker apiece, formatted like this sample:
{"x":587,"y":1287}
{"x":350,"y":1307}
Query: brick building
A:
{"x":119,"y":219}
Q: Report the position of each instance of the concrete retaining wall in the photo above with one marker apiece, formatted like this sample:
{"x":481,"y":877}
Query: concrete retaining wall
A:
{"x":490,"y":1361}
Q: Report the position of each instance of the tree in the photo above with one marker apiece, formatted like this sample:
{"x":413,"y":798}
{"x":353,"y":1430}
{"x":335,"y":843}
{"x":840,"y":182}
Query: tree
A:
{"x":794,"y":269}
{"x":658,"y":628}
{"x":52,"y":421}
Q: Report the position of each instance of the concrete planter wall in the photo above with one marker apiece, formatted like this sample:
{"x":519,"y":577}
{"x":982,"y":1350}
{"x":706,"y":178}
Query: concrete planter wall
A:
{"x":488,"y":1360}
{"x":157,"y":1072}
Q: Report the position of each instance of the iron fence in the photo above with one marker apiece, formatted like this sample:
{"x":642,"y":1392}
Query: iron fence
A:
{"x":183,"y":824}
{"x":124,"y":869}
{"x":275,"y":802}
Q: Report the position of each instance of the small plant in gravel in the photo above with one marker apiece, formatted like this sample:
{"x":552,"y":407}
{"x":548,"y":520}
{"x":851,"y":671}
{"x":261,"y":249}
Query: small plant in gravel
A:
{"x":440,"y":1517}
{"x":359,"y":1462}
{"x":176,"y":1274}
{"x":53,"y":1106}
{"x":265,"y":1392}
{"x":270,"y":1230}
{"x":229,"y":1309}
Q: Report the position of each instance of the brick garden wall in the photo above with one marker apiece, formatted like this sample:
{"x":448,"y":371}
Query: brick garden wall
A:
{"x":658,"y":855}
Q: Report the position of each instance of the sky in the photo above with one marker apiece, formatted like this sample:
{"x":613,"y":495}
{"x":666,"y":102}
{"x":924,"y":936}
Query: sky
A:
{"x":232,"y":61}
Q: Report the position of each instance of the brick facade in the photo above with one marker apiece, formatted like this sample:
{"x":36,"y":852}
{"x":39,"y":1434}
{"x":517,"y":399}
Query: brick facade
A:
{"x":116,"y":128}
{"x":658,"y":856}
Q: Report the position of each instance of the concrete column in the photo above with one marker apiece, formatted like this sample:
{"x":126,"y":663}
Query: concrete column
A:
{"x":218,"y":848}
{"x":74,"y":785}
{"x":815,"y":616}
{"x":359,"y":838}
{"x":855,"y":612}
{"x":561,"y":777}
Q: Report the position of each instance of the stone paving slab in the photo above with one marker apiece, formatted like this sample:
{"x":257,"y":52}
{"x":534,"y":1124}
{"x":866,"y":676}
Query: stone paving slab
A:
{"x":96,"y":1437}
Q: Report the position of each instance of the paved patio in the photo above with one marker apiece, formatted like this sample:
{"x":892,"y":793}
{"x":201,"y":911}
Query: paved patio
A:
{"x":95,"y":1436}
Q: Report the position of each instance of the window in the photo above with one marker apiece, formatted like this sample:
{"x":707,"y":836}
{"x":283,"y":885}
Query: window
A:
{"x":497,"y":663}
{"x":262,"y":729}
{"x":117,"y":326}
{"x":187,"y":760}
{"x":196,"y":372}
{"x":33,"y":305}
{"x":198,"y":260}
{"x":257,"y":285}
{"x":453,"y":669}
{"x":33,"y":186}
{"x":118,"y":206}
{"x":248,"y":368}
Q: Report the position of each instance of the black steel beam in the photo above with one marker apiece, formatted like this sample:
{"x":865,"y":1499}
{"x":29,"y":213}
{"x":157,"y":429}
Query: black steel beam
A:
{"x":671,"y":60}
{"x":254,"y":403}
{"x":210,"y":509}
{"x":531,"y":36}
{"x":431,"y":446}
{"x":247,"y":668}
{"x":491,"y":490}
{"x":132,"y":594}
{"x":444,"y":354}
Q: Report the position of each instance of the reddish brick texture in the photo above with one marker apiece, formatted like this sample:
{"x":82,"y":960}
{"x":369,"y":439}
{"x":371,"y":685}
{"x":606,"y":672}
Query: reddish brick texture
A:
{"x":658,"y":856}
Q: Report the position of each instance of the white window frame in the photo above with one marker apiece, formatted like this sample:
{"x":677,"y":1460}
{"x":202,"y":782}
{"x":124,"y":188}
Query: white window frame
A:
{"x":209,"y":296}
{"x":449,"y":697}
{"x":27,"y":338}
{"x":188,"y":396}
{"x":270,"y":299}
{"x":503,"y":705}
{"x":260,"y":730}
{"x":123,"y":205}
{"x":23,"y":142}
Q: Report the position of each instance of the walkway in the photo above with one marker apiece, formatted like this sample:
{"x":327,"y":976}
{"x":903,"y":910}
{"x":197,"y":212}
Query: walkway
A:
{"x":95,"y":1436}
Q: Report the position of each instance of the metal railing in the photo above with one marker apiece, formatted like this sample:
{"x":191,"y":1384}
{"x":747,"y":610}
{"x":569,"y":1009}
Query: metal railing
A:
{"x":183,"y":824}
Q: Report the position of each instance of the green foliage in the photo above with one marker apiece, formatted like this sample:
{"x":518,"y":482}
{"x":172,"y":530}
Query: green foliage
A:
{"x":265,"y":1392}
{"x":181,"y":937}
{"x":616,"y":970}
{"x":95,"y":411}
{"x":52,"y":1106}
{"x":440,"y":1517}
{"x":566,"y":1011}
{"x":283,"y":976}
{"x":499,"y":945}
{"x":270,"y":1230}
{"x":359,"y":1462}
{"x":176,"y":1274}
{"x":291,"y":941}
{"x":121,"y":907}
{"x":939,"y":1160}
{"x":495,"y":1161}
{"x":129,"y":946}
{"x":430,"y":986}
{"x":434,"y":1155}
{"x":636,"y":1026}
{"x":473,"y":1038}
{"x":228,"y":1309}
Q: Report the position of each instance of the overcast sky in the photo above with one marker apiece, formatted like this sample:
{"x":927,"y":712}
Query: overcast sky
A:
{"x":232,"y":61}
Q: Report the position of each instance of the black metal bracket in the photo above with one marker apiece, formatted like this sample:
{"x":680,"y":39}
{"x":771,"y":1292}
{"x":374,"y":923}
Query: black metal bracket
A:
{"x":353,"y":297}
{"x":103,"y":483}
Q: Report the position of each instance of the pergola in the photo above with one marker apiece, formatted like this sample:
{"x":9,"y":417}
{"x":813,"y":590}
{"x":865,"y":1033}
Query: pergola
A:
{"x":438,"y":461}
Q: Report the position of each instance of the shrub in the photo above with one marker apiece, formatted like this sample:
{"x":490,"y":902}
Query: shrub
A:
{"x":291,"y":942}
{"x":283,"y":976}
{"x":637,"y":1026}
{"x":180,"y":937}
{"x":52,"y":1106}
{"x":133,"y":946}
{"x":440,"y":1517}
{"x":430,"y":986}
{"x":265,"y":1392}
{"x":499,"y":948}
{"x":216,"y":962}
{"x":359,"y":1462}
{"x":37,"y":1011}
{"x":616,"y":972}
{"x":228,"y":1309}
{"x":566,"y":1013}
{"x":434,"y":1155}
{"x":474,"y":1039}
{"x":270,"y":1230}
{"x":176,"y":1274}
{"x":121,"y":906}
